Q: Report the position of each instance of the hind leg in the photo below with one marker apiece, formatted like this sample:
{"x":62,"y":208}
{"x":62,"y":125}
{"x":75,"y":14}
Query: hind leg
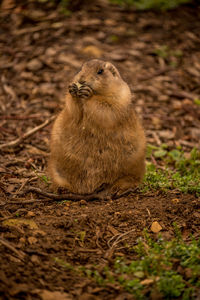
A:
{"x":124,"y":185}
{"x":118,"y":188}
{"x":59,"y":182}
{"x":135,"y":174}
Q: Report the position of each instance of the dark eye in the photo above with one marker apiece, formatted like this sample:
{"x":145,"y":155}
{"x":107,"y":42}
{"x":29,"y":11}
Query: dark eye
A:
{"x":100,"y":71}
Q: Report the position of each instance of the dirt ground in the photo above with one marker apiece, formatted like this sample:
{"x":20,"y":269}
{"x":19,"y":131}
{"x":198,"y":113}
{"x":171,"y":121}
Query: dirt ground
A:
{"x":158,"y":54}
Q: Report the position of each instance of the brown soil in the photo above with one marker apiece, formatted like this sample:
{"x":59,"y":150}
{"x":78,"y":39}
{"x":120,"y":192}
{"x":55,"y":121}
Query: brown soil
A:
{"x":40,"y":49}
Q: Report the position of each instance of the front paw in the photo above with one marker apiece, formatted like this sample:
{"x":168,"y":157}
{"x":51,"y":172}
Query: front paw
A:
{"x":62,"y":190}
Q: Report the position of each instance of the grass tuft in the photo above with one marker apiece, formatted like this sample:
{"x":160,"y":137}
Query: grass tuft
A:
{"x":171,"y":268}
{"x":172,"y":170}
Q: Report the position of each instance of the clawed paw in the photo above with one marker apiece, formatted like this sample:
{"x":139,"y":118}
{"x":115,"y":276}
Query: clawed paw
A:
{"x":121,"y":193}
{"x":62,"y":190}
{"x":122,"y":188}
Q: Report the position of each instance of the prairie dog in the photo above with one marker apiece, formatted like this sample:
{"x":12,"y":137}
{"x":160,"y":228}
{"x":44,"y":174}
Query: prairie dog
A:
{"x":97,"y":140}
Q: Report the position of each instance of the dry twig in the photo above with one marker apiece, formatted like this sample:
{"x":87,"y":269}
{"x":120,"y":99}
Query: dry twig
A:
{"x":182,"y":94}
{"x":76,"y":197}
{"x":18,"y":141}
{"x":156,"y":73}
{"x":59,"y":197}
{"x":19,"y":254}
{"x":118,"y":238}
{"x":30,"y":29}
{"x":10,"y":117}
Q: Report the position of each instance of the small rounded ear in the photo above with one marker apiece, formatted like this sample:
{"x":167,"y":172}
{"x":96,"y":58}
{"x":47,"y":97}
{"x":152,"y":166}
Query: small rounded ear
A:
{"x":112,"y":69}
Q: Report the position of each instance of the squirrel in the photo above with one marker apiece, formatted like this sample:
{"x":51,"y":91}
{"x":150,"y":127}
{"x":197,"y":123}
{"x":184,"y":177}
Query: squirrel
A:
{"x":97,"y":140}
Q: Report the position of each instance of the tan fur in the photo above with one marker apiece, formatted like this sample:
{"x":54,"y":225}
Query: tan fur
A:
{"x":98,"y":139}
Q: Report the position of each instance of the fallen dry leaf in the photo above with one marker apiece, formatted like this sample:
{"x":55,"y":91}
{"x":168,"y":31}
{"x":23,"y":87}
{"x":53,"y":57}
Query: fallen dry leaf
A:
{"x":19,"y":222}
{"x":48,"y":295}
{"x":32,"y":240}
{"x":92,"y":51}
{"x":196,"y":214}
{"x":35,"y":259}
{"x":155,"y":227}
{"x":34,"y":65}
{"x":166,"y":134}
{"x":146,"y":281}
{"x":30,"y":214}
{"x":112,"y":230}
{"x":68,"y":59}
{"x":10,"y":91}
{"x":156,"y":122}
{"x":118,"y":56}
{"x":7,"y":4}
{"x":39,"y":233}
{"x":175,"y":200}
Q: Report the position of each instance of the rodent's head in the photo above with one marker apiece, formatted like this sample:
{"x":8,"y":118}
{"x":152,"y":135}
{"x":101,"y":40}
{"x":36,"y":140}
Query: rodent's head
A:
{"x":100,"y":78}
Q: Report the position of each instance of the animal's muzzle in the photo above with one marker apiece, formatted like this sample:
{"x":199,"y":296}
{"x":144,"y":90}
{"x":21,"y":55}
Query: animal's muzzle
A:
{"x":79,"y":90}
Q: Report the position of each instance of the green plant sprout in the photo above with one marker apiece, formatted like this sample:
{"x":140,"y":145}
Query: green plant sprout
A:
{"x":176,"y":171}
{"x":171,"y":268}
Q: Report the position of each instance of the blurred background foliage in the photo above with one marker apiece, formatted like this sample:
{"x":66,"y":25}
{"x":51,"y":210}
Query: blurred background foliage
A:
{"x":137,"y":4}
{"x":69,"y":6}
{"x":151,"y":4}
